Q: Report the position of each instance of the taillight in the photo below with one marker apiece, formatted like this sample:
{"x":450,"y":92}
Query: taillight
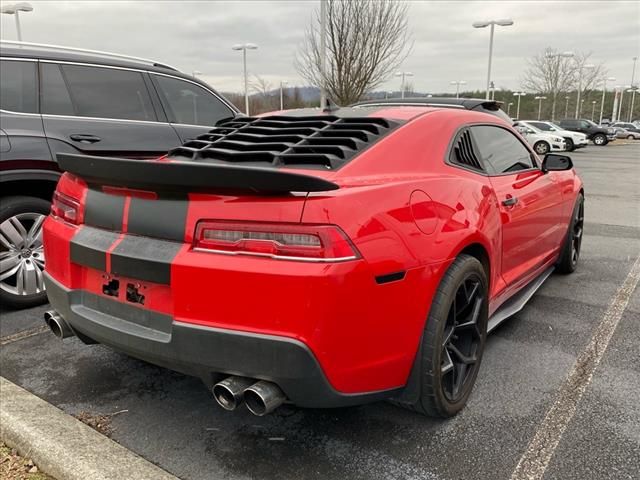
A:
{"x":65,"y":208}
{"x":314,"y":243}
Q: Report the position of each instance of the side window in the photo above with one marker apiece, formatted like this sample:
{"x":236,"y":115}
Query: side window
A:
{"x":108,"y":93}
{"x":500,"y":150}
{"x":188,"y":103}
{"x":18,"y":89}
{"x":584,"y":124}
{"x":54,"y":96}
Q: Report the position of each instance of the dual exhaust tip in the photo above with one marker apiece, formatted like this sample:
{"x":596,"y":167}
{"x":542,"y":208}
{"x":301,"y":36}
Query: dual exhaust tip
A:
{"x":58,"y":325}
{"x":261,"y":397}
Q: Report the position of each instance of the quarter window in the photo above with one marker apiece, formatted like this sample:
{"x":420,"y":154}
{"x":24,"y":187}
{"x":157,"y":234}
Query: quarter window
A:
{"x":55,"y":97}
{"x":500,"y":150}
{"x":108,"y":93}
{"x":188,"y":103}
{"x":18,"y":90}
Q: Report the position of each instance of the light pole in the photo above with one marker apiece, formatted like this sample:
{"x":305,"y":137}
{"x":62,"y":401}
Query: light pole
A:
{"x":509,"y":108}
{"x":604,"y":90}
{"x":402,"y":85}
{"x":323,"y":52}
{"x":593,"y":109}
{"x":554,"y":93}
{"x":15,"y":9}
{"x":457,"y":83}
{"x":492,"y":23}
{"x":566,"y":107}
{"x":582,"y":67}
{"x":282,"y":84}
{"x":633,"y":88}
{"x":622,"y":89}
{"x":581,"y":105}
{"x":244,"y":47}
{"x":519,"y":95}
{"x":540,"y":99}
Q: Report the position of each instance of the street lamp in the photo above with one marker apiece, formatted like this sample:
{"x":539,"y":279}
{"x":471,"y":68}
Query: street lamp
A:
{"x":622,"y":89}
{"x":604,"y":89}
{"x":244,"y":47}
{"x":540,"y":99}
{"x":633,"y":88}
{"x":566,"y":107}
{"x":402,"y":85}
{"x":492,"y":23}
{"x":509,"y":108}
{"x":518,"y":94}
{"x":14,"y":9}
{"x":282,"y":84}
{"x":457,"y":83}
{"x":593,"y":109}
{"x":582,"y":67}
{"x":581,"y":105}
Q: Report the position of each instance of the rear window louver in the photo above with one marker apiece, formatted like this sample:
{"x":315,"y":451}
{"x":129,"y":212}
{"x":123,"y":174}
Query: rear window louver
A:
{"x":324,"y":141}
{"x":463,"y":153}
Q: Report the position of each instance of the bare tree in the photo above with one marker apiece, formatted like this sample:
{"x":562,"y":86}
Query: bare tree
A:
{"x":366,"y":42}
{"x":260,"y":86}
{"x":550,"y":73}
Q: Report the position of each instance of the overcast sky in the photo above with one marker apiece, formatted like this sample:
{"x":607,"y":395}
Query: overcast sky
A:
{"x":198,"y":35}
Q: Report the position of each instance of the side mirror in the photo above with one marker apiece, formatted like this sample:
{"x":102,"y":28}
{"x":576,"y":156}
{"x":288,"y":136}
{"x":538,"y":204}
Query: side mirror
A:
{"x":556,"y":163}
{"x":522,"y":129}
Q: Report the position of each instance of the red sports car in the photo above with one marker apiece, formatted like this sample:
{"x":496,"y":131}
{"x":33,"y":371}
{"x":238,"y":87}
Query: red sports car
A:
{"x":324,"y":259}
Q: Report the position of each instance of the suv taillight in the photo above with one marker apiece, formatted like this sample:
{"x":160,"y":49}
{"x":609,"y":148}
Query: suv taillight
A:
{"x":314,"y":243}
{"x":65,"y":208}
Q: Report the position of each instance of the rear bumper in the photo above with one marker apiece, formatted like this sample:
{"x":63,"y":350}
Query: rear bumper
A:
{"x":205,"y":352}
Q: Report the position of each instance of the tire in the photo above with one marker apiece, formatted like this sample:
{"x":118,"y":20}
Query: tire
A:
{"x":542,"y":147}
{"x":437,"y":396}
{"x":630,"y":137}
{"x":600,"y":139}
{"x":21,"y":251}
{"x":570,"y":146}
{"x":570,"y":254}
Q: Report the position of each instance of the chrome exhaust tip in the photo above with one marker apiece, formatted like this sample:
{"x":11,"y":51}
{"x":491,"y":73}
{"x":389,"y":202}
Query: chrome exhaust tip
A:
{"x":230,"y":391}
{"x":263,"y":397}
{"x":57,"y":324}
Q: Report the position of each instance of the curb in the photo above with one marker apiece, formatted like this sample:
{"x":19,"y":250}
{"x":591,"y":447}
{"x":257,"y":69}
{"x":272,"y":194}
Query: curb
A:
{"x":63,"y":446}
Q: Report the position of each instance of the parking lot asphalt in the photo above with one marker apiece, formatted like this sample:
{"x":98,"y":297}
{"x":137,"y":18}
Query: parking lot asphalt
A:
{"x":172,"y":420}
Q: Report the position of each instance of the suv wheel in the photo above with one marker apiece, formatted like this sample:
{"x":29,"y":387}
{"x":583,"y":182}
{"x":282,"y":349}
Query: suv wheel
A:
{"x":570,"y":146}
{"x":541,"y":148}
{"x":630,"y":137}
{"x":600,"y":140}
{"x":21,"y":251}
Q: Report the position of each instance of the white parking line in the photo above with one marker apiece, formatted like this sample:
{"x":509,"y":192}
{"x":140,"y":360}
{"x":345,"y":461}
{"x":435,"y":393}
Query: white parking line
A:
{"x":538,"y":454}
{"x":23,"y":334}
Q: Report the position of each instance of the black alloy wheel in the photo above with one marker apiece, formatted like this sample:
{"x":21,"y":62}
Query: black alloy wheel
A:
{"x":462,"y":339}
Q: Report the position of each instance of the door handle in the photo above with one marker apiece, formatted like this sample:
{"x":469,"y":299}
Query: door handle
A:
{"x":84,"y":138}
{"x":510,"y":202}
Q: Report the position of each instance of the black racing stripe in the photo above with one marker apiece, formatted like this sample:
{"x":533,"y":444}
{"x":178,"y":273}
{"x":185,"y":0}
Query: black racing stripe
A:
{"x":161,"y":218}
{"x":89,"y":247}
{"x":144,"y":258}
{"x":103,"y":210}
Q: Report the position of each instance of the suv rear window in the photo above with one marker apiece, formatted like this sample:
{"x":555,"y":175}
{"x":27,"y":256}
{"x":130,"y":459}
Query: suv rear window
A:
{"x":190,"y":104}
{"x":108,"y":93}
{"x":18,"y":92}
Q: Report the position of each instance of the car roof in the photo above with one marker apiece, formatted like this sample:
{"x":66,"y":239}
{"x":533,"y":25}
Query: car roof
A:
{"x":66,"y":54}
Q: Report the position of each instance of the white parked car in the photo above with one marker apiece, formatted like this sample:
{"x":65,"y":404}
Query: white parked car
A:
{"x":542,"y":142}
{"x":573,"y":139}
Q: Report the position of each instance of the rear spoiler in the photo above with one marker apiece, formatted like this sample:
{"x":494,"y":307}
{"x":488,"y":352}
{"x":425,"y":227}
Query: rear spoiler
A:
{"x":188,"y":176}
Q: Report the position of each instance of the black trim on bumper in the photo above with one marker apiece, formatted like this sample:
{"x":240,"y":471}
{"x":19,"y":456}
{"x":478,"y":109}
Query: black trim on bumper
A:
{"x":201,"y":351}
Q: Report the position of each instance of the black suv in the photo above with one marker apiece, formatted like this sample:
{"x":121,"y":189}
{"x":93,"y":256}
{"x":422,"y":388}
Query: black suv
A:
{"x":597,"y":134}
{"x":62,"y":100}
